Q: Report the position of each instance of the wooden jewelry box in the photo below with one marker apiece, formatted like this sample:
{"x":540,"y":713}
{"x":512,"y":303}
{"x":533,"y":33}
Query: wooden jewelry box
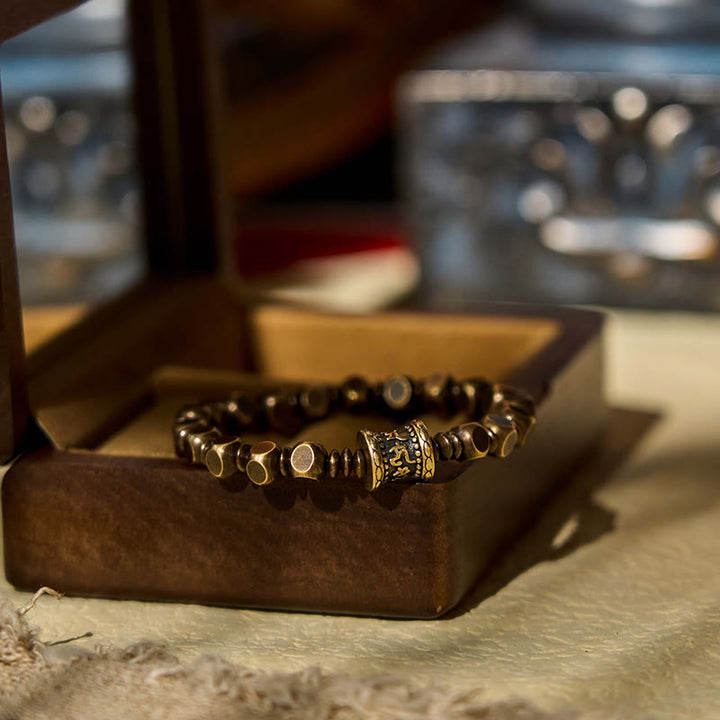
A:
{"x":97,"y":504}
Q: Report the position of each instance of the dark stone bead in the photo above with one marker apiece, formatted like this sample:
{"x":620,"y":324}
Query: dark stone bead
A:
{"x":437,"y":394}
{"x":194,"y":413}
{"x":355,"y":395}
{"x":285,"y":469}
{"x":181,"y":435}
{"x":242,"y":456}
{"x":457,"y":446}
{"x":479,"y":395}
{"x":315,"y":401}
{"x":238,"y":415}
{"x":515,"y":398}
{"x":282,"y":413}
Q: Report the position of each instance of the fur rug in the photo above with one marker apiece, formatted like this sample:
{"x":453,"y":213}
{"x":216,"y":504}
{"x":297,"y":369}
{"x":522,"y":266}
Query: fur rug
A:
{"x":61,"y":681}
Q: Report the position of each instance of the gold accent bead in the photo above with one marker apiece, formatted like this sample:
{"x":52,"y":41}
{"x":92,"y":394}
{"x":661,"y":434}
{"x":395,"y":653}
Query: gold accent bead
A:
{"x":475,"y":440}
{"x":200,"y":443}
{"x":404,"y":455}
{"x":264,"y":464}
{"x":525,"y":424}
{"x":220,"y":458}
{"x":504,"y":436}
{"x":308,"y":460}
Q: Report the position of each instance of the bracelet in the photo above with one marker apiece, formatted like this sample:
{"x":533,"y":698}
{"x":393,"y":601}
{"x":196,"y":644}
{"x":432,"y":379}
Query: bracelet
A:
{"x":500,"y":418}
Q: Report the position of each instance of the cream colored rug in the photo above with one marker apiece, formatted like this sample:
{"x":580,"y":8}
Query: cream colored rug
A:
{"x":43,"y":681}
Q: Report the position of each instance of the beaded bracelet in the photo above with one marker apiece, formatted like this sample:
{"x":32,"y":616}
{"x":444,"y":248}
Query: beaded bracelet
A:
{"x":500,"y":418}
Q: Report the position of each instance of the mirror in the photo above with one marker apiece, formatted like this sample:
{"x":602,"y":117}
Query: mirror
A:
{"x":70,"y":129}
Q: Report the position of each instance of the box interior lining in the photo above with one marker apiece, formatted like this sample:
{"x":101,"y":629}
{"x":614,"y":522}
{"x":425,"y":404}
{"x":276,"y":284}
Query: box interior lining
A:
{"x":134,"y":418}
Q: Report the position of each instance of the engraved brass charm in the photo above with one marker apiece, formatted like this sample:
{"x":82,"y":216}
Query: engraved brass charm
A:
{"x":406,"y":453}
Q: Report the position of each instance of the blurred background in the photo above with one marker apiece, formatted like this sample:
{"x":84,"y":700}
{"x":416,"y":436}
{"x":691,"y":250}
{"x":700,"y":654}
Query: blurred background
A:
{"x":440,"y":153}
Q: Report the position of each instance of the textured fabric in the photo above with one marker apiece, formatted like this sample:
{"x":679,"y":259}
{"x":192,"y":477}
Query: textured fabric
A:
{"x":40,"y":682}
{"x":611,"y":603}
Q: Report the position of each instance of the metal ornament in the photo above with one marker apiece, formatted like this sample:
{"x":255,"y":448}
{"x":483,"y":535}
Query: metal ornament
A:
{"x":500,"y":418}
{"x":406,"y":453}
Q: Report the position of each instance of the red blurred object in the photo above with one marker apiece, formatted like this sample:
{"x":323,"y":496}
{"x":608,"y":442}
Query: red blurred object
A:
{"x":267,"y":244}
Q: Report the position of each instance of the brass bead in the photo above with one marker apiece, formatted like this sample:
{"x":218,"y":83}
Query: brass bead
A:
{"x":457,"y":446}
{"x":397,"y":392}
{"x":264,"y":464}
{"x":220,"y":458}
{"x":524,"y":424}
{"x":200,"y":443}
{"x":315,"y":401}
{"x":475,"y":440}
{"x":504,"y":436}
{"x":346,"y":457}
{"x":333,"y":463}
{"x":360,"y":464}
{"x":405,"y":454}
{"x":444,"y":446}
{"x":308,"y":460}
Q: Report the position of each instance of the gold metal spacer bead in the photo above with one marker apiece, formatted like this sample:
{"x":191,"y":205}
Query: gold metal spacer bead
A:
{"x":220,"y":458}
{"x":525,"y":425}
{"x":475,"y":440}
{"x":308,"y":460}
{"x":504,"y":436}
{"x":264,"y":464}
{"x":200,"y":443}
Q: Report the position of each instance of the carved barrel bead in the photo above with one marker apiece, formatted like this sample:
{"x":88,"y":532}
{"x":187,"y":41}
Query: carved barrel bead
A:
{"x":406,"y":453}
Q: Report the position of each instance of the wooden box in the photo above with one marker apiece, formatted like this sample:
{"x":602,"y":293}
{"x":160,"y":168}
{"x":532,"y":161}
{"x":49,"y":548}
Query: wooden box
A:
{"x":97,"y":504}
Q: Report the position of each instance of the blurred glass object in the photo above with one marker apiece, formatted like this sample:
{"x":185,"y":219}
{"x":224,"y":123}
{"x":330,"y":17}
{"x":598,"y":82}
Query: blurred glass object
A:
{"x":71,"y":147}
{"x":571,"y":153}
